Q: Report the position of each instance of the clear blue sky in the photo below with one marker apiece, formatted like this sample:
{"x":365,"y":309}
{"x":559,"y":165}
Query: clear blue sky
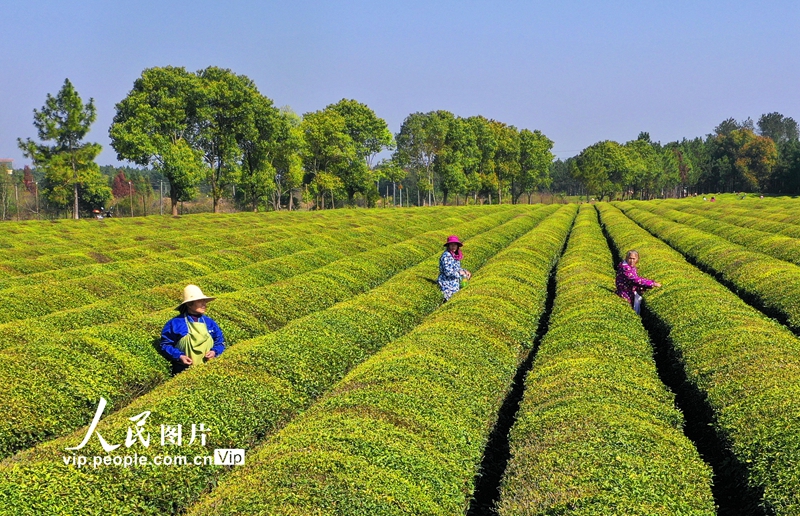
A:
{"x":578,"y":71}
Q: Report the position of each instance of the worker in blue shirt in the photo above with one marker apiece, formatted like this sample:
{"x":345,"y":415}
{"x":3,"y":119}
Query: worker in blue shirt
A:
{"x":191,"y":337}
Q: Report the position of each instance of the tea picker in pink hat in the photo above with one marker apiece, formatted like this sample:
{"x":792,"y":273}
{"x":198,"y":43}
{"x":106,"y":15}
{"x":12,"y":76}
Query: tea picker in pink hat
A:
{"x":450,"y":271}
{"x":191,"y":337}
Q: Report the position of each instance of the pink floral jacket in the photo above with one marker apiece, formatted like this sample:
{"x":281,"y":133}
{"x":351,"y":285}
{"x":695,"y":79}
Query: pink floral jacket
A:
{"x":628,"y":282}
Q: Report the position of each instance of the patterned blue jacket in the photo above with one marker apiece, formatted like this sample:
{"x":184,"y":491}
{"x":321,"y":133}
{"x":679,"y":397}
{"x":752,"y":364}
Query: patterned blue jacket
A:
{"x":449,"y":275}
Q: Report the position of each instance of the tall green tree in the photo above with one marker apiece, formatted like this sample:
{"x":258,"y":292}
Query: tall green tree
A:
{"x":535,"y":157}
{"x":669,"y":176}
{"x":420,"y":140}
{"x":602,"y":168}
{"x":481,"y":178}
{"x":563,"y":181}
{"x":287,"y":162}
{"x":69,"y":166}
{"x":684,"y":165}
{"x":506,"y":157}
{"x":227,"y":112}
{"x":157,"y":124}
{"x":697,"y":154}
{"x":326,"y":182}
{"x":777,"y":127}
{"x":756,"y":158}
{"x":261,"y":141}
{"x":326,"y":148}
{"x":643,"y":169}
{"x":742,"y":160}
{"x":786,"y":175}
{"x":727,"y":126}
{"x":458,"y":155}
{"x":369,"y":135}
{"x":785,"y":133}
{"x":183,"y":167}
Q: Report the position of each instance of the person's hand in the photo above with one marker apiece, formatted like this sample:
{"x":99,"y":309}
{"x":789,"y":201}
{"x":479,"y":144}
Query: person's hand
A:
{"x":469,"y":275}
{"x":186,"y":360}
{"x":656,"y":284}
{"x":211,"y":354}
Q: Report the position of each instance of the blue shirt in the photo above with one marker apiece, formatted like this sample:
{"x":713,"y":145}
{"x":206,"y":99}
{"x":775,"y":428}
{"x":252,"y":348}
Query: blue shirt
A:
{"x":176,"y":329}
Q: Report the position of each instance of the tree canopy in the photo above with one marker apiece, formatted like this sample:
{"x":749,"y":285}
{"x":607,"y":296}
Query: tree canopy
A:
{"x":158,"y":124}
{"x":211,"y":132}
{"x":778,"y":128}
{"x":603,"y":168}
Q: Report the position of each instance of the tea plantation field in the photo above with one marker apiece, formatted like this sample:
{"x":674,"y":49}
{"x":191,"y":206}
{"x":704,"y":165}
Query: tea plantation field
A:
{"x":349,"y":388}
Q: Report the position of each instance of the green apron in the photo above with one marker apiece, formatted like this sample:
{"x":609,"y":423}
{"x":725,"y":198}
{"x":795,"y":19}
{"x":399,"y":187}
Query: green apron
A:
{"x":197,"y":342}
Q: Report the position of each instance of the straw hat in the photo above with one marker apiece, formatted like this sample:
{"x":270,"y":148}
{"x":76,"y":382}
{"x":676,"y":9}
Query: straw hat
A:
{"x":452,"y":239}
{"x":193,"y":293}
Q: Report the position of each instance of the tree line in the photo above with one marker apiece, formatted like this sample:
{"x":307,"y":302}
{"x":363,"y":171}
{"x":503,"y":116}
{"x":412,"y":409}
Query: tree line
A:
{"x":211,"y":134}
{"x":738,"y":156}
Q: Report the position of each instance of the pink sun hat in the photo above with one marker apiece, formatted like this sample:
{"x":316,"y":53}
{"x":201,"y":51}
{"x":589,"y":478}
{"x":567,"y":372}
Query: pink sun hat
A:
{"x":452,"y":239}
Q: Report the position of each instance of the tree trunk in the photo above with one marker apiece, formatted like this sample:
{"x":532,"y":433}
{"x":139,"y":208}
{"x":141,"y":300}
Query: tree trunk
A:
{"x":430,"y":180}
{"x":214,"y":186}
{"x":75,"y":214}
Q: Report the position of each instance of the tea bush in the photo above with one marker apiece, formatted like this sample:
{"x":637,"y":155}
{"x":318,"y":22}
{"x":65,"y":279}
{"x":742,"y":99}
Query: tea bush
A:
{"x":597,"y":432}
{"x":255,"y":387}
{"x":746,"y":365}
{"x":778,"y":246}
{"x":44,"y":404}
{"x":773,"y":284}
{"x":404,"y":432}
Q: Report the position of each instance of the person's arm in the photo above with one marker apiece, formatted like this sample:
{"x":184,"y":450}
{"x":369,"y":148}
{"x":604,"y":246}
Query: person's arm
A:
{"x":170,"y":336}
{"x":216,"y":333}
{"x":630,"y":273}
